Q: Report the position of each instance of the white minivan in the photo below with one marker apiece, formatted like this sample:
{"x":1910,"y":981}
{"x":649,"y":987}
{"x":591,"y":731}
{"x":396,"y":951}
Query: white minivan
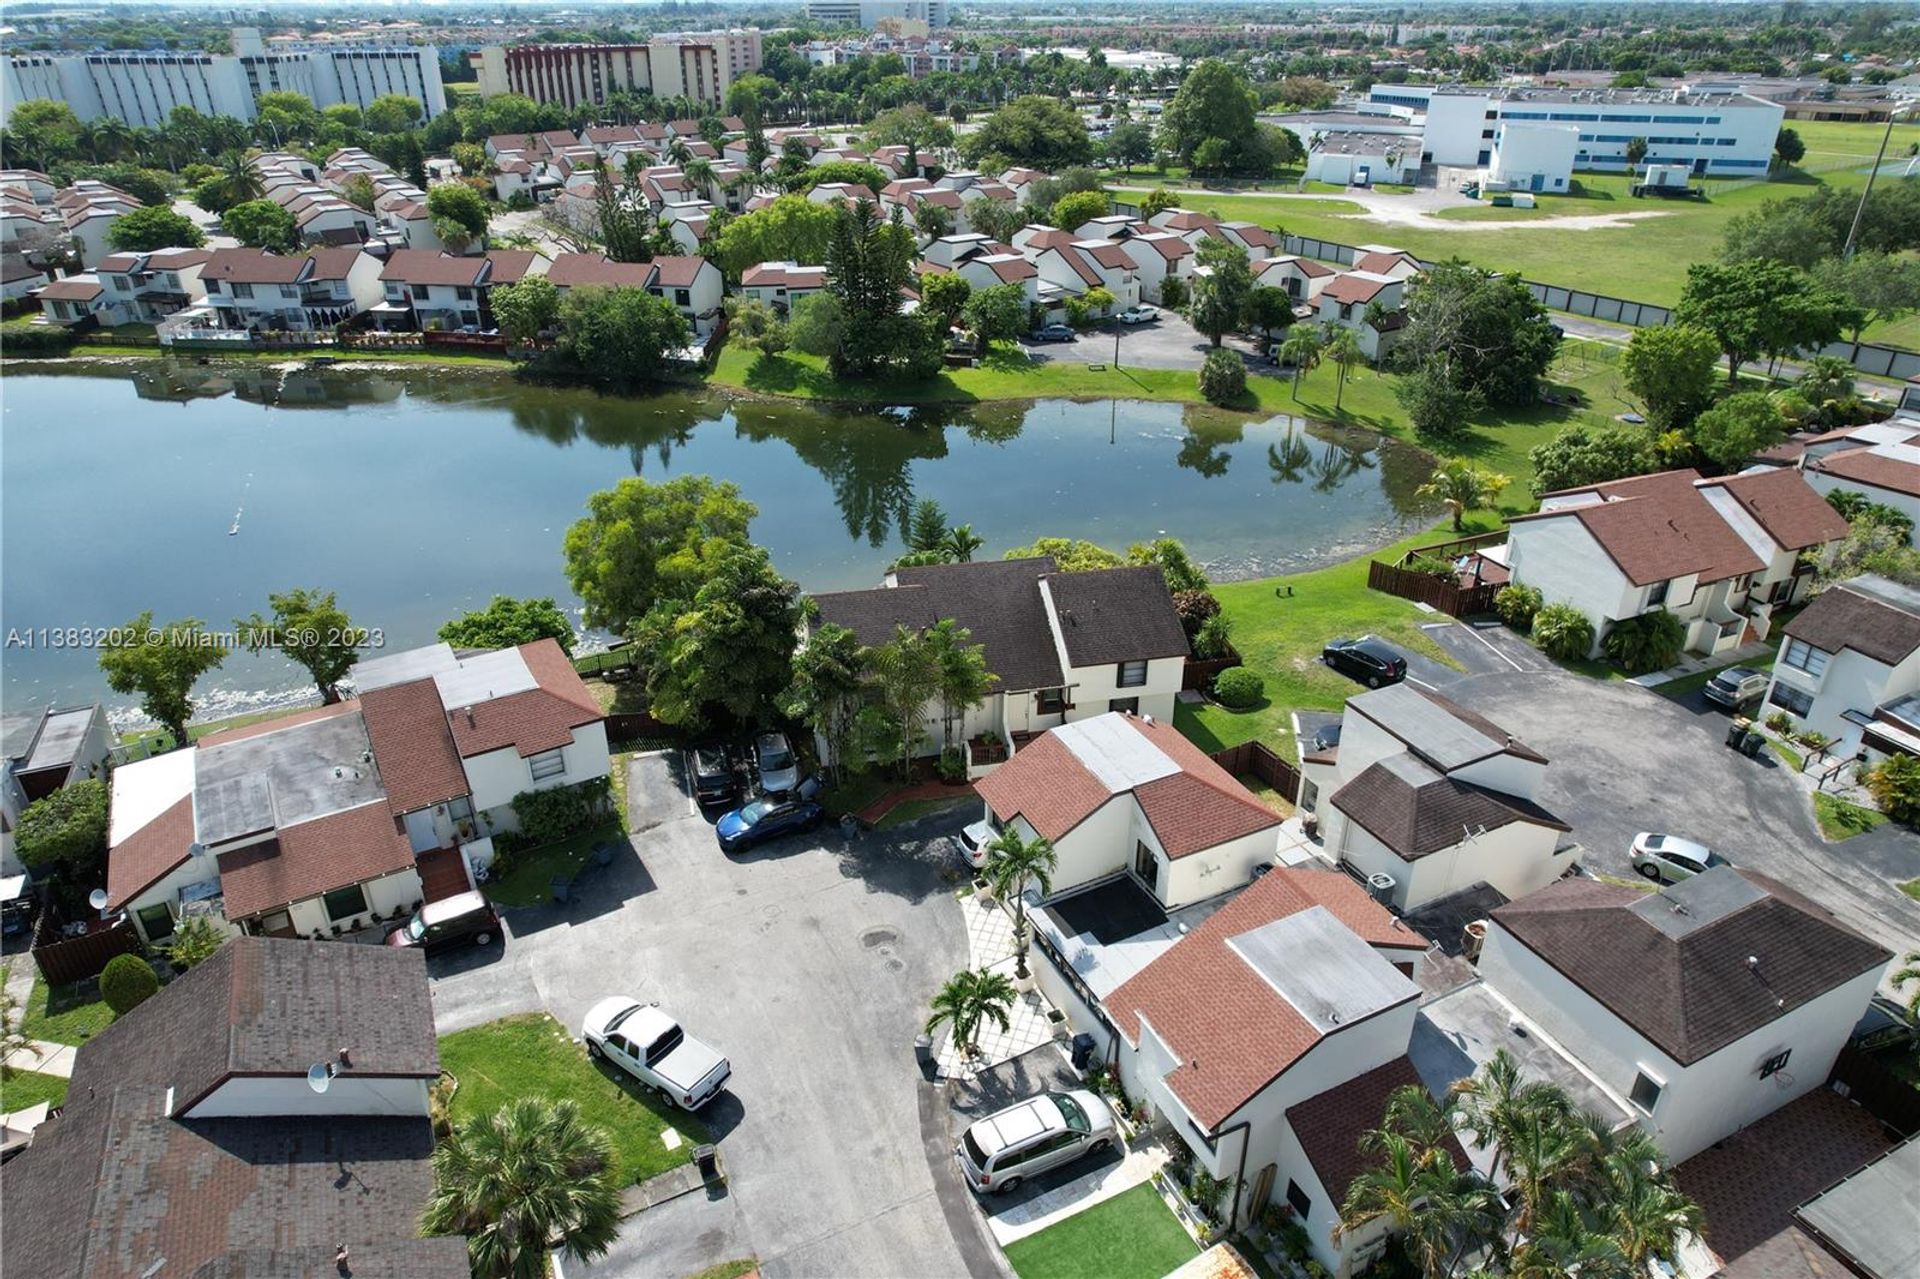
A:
{"x":1033,"y":1136}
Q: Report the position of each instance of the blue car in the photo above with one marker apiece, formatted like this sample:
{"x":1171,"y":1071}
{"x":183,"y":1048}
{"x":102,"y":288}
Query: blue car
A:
{"x":766,"y":819}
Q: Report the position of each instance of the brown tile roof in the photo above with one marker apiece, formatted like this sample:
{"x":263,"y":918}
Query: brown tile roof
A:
{"x":1355,"y":289}
{"x":1167,"y":245}
{"x":1682,"y":978}
{"x":430,"y":266}
{"x":1050,"y":788}
{"x":1416,"y":811}
{"x":142,"y":858}
{"x":1188,"y":220}
{"x":539,"y":719}
{"x":1009,"y":268}
{"x":1329,"y":1125}
{"x":1865,"y":615}
{"x":510,"y":266}
{"x":73,"y":288}
{"x":1305,"y":266}
{"x":1116,"y":615}
{"x":677,"y":271}
{"x":783,"y":275}
{"x":1659,"y":527}
{"x":1075,"y":259}
{"x":1383,"y":263}
{"x":1108,"y":254}
{"x":1782,"y":502}
{"x":1252,"y":233}
{"x":1864,"y":466}
{"x":253,"y":266}
{"x":407,"y":726}
{"x":1231,"y":1029}
{"x":596,"y":270}
{"x":312,"y":858}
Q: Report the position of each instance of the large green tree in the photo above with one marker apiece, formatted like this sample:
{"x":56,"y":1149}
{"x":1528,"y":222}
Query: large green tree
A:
{"x":724,"y":656}
{"x":66,"y":831}
{"x":1485,"y":331}
{"x":527,"y":309}
{"x":507,"y":622}
{"x":997,"y":313}
{"x":1883,"y":286}
{"x":1035,"y":130}
{"x":1220,"y":293}
{"x":262,"y":224}
{"x":161,"y":664}
{"x":641,"y":543}
{"x":869,"y":261}
{"x":791,"y":229}
{"x":311,"y":630}
{"x":1751,"y":307}
{"x":392,"y":113}
{"x":829,"y":686}
{"x":1671,"y":368}
{"x":620,"y":338}
{"x":1213,"y":104}
{"x":459,"y":214}
{"x":1738,"y":427}
{"x":1581,"y":455}
{"x":151,"y":227}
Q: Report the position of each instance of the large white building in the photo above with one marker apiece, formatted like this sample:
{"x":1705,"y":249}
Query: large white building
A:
{"x":871,"y":13}
{"x":700,"y":65}
{"x":1714,"y":133}
{"x":142,"y":87}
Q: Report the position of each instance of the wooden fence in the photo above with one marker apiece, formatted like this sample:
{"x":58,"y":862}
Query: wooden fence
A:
{"x":1443,"y":593}
{"x":1257,"y":760}
{"x":1886,"y":1096}
{"x":1200,"y":673}
{"x":63,"y":961}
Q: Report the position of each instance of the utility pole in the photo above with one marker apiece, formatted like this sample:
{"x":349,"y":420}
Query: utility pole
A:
{"x":1860,"y":213}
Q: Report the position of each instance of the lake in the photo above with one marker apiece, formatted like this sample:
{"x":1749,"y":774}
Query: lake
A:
{"x":195,"y":490}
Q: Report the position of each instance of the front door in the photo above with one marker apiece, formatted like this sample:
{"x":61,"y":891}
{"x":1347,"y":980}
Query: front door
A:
{"x":1145,"y":864}
{"x":421,"y":835}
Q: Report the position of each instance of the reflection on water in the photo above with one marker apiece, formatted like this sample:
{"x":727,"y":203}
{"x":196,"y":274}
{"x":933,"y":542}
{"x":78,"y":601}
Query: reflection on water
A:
{"x":419,"y":493}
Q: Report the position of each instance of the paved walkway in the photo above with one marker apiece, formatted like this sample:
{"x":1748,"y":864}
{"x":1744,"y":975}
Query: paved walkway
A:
{"x":1146,"y":1157}
{"x":44,"y":1058}
{"x":990,"y":946}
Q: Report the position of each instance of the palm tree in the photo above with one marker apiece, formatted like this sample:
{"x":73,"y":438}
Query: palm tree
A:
{"x":1414,"y":1114}
{"x":680,"y":153}
{"x":1461,"y":487}
{"x":1013,"y":861}
{"x":961,"y":676}
{"x":1542,"y":1144}
{"x":699,"y":173}
{"x":1910,"y":972}
{"x":1424,"y":1203}
{"x":961,"y":542}
{"x":112,"y":136}
{"x":970,"y":998}
{"x":238,"y":178}
{"x":1567,"y":1244}
{"x":1300,"y":351}
{"x":521,"y":1178}
{"x":1343,"y":348}
{"x":1641,"y":1209}
{"x":1489,"y":1100}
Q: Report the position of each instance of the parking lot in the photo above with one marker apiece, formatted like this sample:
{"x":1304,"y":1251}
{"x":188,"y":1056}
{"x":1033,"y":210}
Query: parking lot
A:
{"x":809,"y":962}
{"x":1167,"y":343}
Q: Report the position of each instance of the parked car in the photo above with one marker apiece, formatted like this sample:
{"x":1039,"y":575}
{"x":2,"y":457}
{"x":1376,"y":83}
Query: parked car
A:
{"x":1053,"y":333}
{"x":766,"y":819}
{"x":1142,"y":314}
{"x":778,"y":767}
{"x":651,"y":1046}
{"x":974,"y":841}
{"x":1736,"y":686}
{"x":710,"y":770}
{"x":465,"y":919}
{"x":1668,"y":859}
{"x":1031,"y":1137}
{"x":1367,"y":659}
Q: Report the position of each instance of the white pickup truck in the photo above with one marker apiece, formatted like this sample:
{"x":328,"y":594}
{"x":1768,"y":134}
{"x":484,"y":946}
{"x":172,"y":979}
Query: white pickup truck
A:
{"x":650,"y":1045}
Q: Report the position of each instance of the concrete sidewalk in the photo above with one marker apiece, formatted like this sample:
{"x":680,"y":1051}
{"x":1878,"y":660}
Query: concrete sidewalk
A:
{"x":44,"y":1058}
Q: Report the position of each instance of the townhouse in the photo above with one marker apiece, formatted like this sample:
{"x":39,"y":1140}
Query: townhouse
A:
{"x":147,"y":287}
{"x":1849,"y":667}
{"x":436,"y":291}
{"x":1302,"y":279}
{"x":782,"y":284}
{"x":1158,"y":256}
{"x":1370,"y":306}
{"x":251,"y":289}
{"x":693,"y":285}
{"x":1070,"y":268}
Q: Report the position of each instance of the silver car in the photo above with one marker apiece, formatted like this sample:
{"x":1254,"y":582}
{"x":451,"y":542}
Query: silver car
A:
{"x":1736,"y":686}
{"x":1668,"y":859}
{"x":774,"y":759}
{"x":1031,"y":1137}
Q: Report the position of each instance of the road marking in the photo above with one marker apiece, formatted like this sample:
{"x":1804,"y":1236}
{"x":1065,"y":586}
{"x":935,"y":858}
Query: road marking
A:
{"x":1414,"y":679}
{"x":1491,"y":649}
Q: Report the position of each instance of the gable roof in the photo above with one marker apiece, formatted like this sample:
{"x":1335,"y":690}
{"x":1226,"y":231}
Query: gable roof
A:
{"x":1785,"y":506}
{"x":1872,"y":616}
{"x":1871,"y":466}
{"x":1071,"y":255}
{"x":408,"y":728}
{"x":431,"y":266}
{"x":534,"y":720}
{"x":1655,"y":528}
{"x":1330,"y":1124}
{"x":1061,"y":778}
{"x":596,"y":270}
{"x":1231,"y":1028}
{"x":1115,"y":615}
{"x":510,"y":266}
{"x":1383,"y":261}
{"x":1416,"y":811}
{"x":1697,"y":966}
{"x":72,"y":288}
{"x":677,"y":271}
{"x":784,"y":275}
{"x":1355,"y":287}
{"x":998,"y":601}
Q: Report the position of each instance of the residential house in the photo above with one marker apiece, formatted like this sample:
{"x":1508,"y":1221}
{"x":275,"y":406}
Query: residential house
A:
{"x":42,"y":752}
{"x":1707,"y":1005}
{"x":595,"y":270}
{"x":1849,"y":666}
{"x":256,"y":290}
{"x":18,"y":277}
{"x":1370,"y":306}
{"x":1188,"y":225}
{"x":74,"y":298}
{"x":88,"y":210}
{"x":195,"y":1139}
{"x":1878,"y":460}
{"x":1259,"y":242}
{"x":1303,"y":279}
{"x":687,"y":222}
{"x":438,"y":291}
{"x":1721,"y":555}
{"x":781,"y":284}
{"x":1378,"y":259}
{"x":321,"y":823}
{"x":950,"y":251}
{"x":1158,"y":256}
{"x":1060,"y":646}
{"x":848,"y":192}
{"x":1112,"y":226}
{"x":1070,"y":268}
{"x":694,"y":286}
{"x":35,"y":185}
{"x":1423,"y":798}
{"x":147,"y":287}
{"x":988,"y":270}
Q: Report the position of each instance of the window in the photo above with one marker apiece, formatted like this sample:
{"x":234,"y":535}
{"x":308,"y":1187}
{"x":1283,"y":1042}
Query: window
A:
{"x":1131,"y":674}
{"x":1805,"y":657}
{"x":420,"y":291}
{"x":157,"y":922}
{"x":463,"y":293}
{"x":1790,"y":699}
{"x":550,"y":764}
{"x":1657,"y":593}
{"x":1297,"y":1200}
{"x":345,"y":903}
{"x":1776,"y":1063}
{"x":1145,"y":864}
{"x":1131,"y":705}
{"x":243,"y":290}
{"x":1646,"y":1091}
{"x":1052,"y":701}
{"x":681,"y":297}
{"x":288,"y":291}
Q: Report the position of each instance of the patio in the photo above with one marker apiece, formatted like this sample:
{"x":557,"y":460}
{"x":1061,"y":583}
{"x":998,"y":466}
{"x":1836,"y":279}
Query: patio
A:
{"x":1108,"y":932}
{"x":990,"y":946}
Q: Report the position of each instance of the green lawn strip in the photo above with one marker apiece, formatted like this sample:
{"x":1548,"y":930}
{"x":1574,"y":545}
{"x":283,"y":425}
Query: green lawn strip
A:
{"x":1912,"y":889}
{"x":855,"y":791}
{"x":529,"y":874}
{"x":913,"y":810}
{"x":1787,"y":753}
{"x":67,"y":1015}
{"x":728,"y":1269}
{"x":160,"y":736}
{"x":30,"y":1088}
{"x":1280,"y":637}
{"x":1687,"y":685}
{"x":1133,"y":1235}
{"x":530,"y":1055}
{"x":1840,"y":819}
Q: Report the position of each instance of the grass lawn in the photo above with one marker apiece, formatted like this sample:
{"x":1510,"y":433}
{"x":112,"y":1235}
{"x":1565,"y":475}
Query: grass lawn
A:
{"x":1792,"y":757}
{"x":160,"y":739}
{"x":1841,"y":820}
{"x":531,"y":1056}
{"x":1133,"y":1235}
{"x":30,"y":1088}
{"x":1912,"y":889}
{"x":1689,"y":684}
{"x":914,"y":809}
{"x":1280,"y":637}
{"x":69,"y":1015}
{"x":728,"y":1269}
{"x":530,"y":872}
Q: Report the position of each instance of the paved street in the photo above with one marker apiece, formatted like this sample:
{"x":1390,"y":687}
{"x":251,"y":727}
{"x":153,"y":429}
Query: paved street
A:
{"x":810,"y":964}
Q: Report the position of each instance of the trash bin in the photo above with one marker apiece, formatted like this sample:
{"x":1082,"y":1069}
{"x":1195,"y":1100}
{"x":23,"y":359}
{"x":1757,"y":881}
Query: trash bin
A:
{"x":1751,"y":747}
{"x":923,"y":1057}
{"x":1736,"y":736}
{"x":1083,"y":1047}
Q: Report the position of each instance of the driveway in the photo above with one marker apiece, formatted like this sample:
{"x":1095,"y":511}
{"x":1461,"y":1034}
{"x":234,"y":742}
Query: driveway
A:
{"x":810,"y":963}
{"x":1168,"y":343}
{"x":1627,"y":760}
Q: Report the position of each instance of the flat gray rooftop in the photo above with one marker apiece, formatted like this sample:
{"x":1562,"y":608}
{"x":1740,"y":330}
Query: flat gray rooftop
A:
{"x":1679,"y":909}
{"x":59,"y":740}
{"x":283,"y":778}
{"x":1863,"y":1216}
{"x":1318,"y":965}
{"x":1425,"y":725}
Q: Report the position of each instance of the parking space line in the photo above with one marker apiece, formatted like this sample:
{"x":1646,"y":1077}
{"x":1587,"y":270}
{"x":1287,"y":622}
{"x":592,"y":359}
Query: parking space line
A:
{"x":1415,"y":679}
{"x":1491,"y":649}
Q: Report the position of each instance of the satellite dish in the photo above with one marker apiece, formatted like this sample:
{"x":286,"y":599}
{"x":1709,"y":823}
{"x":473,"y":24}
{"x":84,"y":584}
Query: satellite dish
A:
{"x":320,"y":1076}
{"x":97,"y":899}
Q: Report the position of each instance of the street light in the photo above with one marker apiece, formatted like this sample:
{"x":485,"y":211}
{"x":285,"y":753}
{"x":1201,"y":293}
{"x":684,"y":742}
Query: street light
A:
{"x":1859,"y":213}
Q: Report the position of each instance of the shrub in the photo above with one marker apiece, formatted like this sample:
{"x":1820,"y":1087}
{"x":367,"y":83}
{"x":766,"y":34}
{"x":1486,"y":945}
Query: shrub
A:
{"x":1649,"y":642}
{"x":1431,"y":566}
{"x":127,"y":982}
{"x":1238,"y":687}
{"x":1223,"y":377}
{"x":1563,"y":632}
{"x":1194,"y":608}
{"x":1779,"y":722}
{"x":1516,"y":605}
{"x":36,"y":339}
{"x":194,"y":941}
{"x":562,"y":811}
{"x":1895,"y":786}
{"x":1173,"y":293}
{"x":1813,"y":739}
{"x":1214,"y":640}
{"x":65,"y":829}
{"x":953,"y":765}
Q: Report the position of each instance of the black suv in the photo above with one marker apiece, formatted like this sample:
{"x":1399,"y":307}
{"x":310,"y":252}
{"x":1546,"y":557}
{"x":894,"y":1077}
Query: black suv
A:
{"x":461,"y":920}
{"x":711,"y":769}
{"x":1366,"y":659}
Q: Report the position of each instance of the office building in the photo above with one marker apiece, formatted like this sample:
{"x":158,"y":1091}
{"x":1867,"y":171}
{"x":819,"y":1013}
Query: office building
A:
{"x":872,"y":13}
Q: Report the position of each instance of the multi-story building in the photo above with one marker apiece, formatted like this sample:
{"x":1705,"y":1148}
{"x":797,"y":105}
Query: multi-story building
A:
{"x":142,"y":87}
{"x":872,"y":13}
{"x":698,"y":65}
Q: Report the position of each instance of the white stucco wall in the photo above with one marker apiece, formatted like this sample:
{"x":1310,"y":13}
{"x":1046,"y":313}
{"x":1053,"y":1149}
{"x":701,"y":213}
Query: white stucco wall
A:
{"x":385,"y":897}
{"x":194,"y":870}
{"x":1215,"y":870}
{"x":1091,"y":688}
{"x":1852,"y":681}
{"x":1560,"y":559}
{"x":495,"y":777}
{"x":289,"y":1095}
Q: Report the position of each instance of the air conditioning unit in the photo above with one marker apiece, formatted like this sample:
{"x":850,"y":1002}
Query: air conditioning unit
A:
{"x":1380,"y":886}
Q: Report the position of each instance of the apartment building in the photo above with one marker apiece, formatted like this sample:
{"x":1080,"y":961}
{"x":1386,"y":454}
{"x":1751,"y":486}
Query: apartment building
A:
{"x":873,"y":13}
{"x":700,"y":65}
